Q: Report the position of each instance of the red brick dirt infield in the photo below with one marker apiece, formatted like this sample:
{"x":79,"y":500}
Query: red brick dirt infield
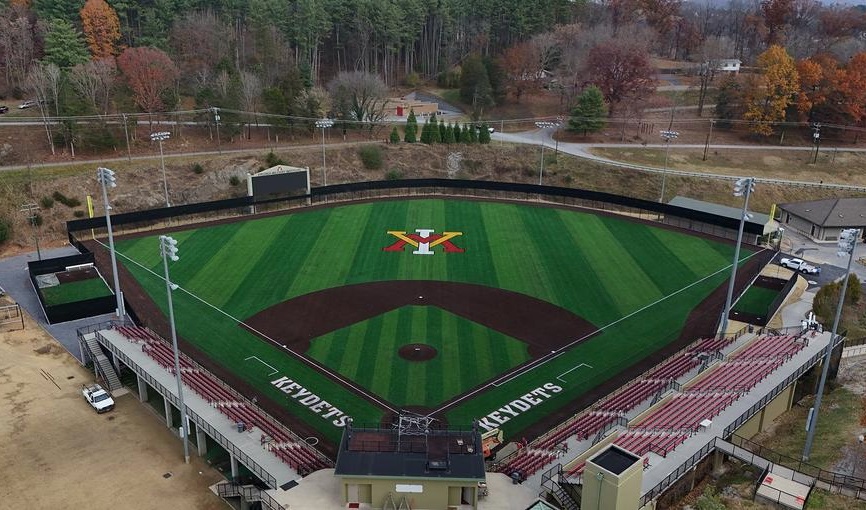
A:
{"x":701,"y":322}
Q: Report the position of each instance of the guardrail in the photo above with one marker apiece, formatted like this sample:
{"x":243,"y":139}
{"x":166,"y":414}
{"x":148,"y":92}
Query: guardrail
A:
{"x":229,"y":446}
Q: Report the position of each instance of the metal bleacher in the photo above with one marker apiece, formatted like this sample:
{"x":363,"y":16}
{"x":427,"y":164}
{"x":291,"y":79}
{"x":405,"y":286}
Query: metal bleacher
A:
{"x":274,"y":437}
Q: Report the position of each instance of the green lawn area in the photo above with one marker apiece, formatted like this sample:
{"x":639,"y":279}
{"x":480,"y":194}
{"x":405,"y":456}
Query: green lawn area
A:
{"x":468,"y":354}
{"x":637,"y":283}
{"x":756,"y":300}
{"x":75,"y":291}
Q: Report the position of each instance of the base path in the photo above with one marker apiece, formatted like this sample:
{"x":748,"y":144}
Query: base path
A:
{"x":543,"y":326}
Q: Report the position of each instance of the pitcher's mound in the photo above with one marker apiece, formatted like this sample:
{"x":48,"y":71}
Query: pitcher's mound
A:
{"x":417,"y":352}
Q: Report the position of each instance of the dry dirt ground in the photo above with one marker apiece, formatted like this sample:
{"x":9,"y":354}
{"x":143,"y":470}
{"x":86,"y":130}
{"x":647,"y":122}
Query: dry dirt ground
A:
{"x":58,"y":453}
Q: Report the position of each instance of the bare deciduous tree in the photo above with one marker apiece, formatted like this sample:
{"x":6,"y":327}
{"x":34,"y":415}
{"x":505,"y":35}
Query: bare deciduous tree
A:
{"x":40,"y":82}
{"x":95,"y":81}
{"x":251,"y":91}
{"x":16,"y":44}
{"x":358,"y":96}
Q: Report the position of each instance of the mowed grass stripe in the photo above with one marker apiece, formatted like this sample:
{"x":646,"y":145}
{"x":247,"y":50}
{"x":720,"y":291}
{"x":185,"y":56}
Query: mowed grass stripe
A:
{"x":218,"y":277}
{"x":337,"y":241}
{"x":557,"y":253}
{"x":515,"y":261}
{"x":613,"y":265}
{"x":277,"y":267}
{"x":656,"y":259}
{"x":477,"y":258}
{"x":370,"y":262}
{"x":700,"y":255}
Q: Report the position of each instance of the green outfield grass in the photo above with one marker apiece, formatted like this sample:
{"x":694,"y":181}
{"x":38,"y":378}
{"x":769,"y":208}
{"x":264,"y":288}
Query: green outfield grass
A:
{"x":756,"y":300}
{"x":637,"y":283}
{"x":75,"y":291}
{"x":468,"y":354}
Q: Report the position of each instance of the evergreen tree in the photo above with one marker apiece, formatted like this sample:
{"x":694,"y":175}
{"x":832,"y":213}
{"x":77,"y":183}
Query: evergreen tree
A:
{"x":475,"y":88}
{"x":438,"y":131}
{"x":64,"y":45}
{"x":473,"y":133}
{"x":458,"y":134}
{"x":411,"y":128}
{"x":395,"y":136}
{"x":452,"y":135}
{"x":427,"y":132}
{"x":484,"y":134}
{"x":589,"y":114}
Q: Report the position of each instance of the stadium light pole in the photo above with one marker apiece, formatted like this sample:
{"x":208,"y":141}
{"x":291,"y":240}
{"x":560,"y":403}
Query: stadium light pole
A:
{"x":847,"y":243}
{"x":168,"y":250}
{"x":159,"y":137}
{"x":107,"y":180}
{"x":324,"y":124}
{"x":667,"y":136}
{"x":543,"y":124}
{"x":743,"y":188}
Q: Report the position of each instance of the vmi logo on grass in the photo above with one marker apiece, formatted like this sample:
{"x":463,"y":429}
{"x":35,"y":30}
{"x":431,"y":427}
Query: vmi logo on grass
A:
{"x":423,"y":241}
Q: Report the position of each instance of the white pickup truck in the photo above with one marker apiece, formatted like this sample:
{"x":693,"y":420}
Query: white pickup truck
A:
{"x":799,"y":265}
{"x":98,"y":398}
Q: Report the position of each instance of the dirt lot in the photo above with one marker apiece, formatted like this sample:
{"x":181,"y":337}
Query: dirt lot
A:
{"x":58,"y":453}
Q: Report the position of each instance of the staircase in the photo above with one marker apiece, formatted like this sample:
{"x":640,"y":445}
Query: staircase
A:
{"x":101,"y":365}
{"x":564,"y":498}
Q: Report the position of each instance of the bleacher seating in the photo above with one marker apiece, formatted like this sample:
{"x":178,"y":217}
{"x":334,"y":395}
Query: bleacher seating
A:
{"x":577,"y":470}
{"x":686,"y":411}
{"x":711,"y":344}
{"x":527,"y":461}
{"x":631,"y":396}
{"x":296,"y":454}
{"x":674,"y":367}
{"x":660,"y":443}
{"x":583,"y":427}
{"x":770,"y":347}
{"x":736,"y":376}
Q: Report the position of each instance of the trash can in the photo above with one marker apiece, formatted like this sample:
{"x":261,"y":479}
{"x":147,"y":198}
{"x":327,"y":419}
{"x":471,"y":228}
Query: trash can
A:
{"x":241,"y":426}
{"x":515,"y":478}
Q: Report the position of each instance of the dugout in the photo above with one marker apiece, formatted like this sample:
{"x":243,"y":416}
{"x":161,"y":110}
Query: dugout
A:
{"x":48,"y":274}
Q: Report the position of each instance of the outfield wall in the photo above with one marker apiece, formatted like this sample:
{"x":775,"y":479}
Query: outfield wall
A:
{"x":681,"y":217}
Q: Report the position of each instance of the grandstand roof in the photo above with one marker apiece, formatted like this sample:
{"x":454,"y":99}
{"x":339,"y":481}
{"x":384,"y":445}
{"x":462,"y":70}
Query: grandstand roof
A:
{"x":721,"y":210}
{"x":379,"y":452}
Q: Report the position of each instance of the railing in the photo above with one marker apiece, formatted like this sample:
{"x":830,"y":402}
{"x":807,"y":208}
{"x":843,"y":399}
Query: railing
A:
{"x":833,"y":479}
{"x":250,"y":494}
{"x":729,"y":430}
{"x":850,"y":485}
{"x":678,"y":472}
{"x":230,"y":447}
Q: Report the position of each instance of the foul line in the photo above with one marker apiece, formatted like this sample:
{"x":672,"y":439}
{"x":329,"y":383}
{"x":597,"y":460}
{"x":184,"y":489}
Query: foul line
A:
{"x":572,"y":369}
{"x":309,"y":362}
{"x":541,"y":361}
{"x":263,"y":363}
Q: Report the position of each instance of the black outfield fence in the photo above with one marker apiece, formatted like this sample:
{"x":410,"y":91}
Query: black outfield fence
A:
{"x":68,"y":311}
{"x":681,"y":217}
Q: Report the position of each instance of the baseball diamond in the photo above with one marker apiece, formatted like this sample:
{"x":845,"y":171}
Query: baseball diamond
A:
{"x":524,"y":313}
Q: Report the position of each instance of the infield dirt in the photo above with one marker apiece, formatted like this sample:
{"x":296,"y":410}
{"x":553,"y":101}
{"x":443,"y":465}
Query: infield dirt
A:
{"x":58,"y":453}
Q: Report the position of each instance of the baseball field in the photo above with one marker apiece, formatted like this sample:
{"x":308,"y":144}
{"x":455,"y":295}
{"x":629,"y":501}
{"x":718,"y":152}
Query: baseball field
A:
{"x":502,"y":312}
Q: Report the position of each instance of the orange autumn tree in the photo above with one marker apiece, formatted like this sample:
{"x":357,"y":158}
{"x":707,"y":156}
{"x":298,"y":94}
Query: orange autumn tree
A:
{"x":851,"y":87}
{"x":771,"y":94}
{"x":101,"y":28}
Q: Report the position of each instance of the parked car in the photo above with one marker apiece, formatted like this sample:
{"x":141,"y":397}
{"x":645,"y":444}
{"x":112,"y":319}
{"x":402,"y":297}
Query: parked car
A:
{"x":27,"y":104}
{"x":800,"y":265}
{"x":98,"y":398}
{"x":3,"y":108}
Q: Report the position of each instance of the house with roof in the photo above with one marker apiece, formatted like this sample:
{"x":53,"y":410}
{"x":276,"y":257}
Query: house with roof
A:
{"x":823,"y":220}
